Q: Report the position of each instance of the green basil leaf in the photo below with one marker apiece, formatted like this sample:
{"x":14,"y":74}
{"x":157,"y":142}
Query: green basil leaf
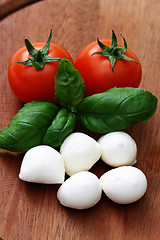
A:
{"x":28,"y":126}
{"x":62,"y":126}
{"x":116,"y":109}
{"x":69,"y":88}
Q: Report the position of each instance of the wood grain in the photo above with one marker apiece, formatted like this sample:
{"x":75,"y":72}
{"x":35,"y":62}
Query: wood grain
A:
{"x":31,"y":211}
{"x":9,"y":6}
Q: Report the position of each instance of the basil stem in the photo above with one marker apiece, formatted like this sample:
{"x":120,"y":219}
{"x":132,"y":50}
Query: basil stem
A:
{"x":62,"y":126}
{"x":28,"y":126}
{"x":69,"y":88}
{"x":116,"y":109}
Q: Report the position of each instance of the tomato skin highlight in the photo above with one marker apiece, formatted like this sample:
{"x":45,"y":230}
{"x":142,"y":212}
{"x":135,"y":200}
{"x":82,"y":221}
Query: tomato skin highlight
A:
{"x":29,"y":84}
{"x":97,"y":73}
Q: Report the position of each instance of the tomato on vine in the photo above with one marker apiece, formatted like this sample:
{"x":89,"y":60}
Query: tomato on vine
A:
{"x":32,"y":70}
{"x":106,"y":64}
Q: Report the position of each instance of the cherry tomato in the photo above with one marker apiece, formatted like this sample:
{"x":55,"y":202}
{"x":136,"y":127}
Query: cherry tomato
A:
{"x":29,"y":84}
{"x":99,"y":75}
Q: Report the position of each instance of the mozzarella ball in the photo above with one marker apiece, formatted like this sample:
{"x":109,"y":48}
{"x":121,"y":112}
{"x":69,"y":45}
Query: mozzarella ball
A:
{"x":42,"y":164}
{"x":80,"y":191}
{"x":118,"y":149}
{"x":80,"y":152}
{"x":124,"y":185}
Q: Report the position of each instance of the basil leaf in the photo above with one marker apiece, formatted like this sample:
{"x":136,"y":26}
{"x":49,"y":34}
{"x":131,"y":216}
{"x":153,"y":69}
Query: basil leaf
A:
{"x":28,"y":126}
{"x":116,"y":109}
{"x":62,"y":126}
{"x":69,"y":88}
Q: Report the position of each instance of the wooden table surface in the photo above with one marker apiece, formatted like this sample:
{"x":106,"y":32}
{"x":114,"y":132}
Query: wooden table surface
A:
{"x":32,"y":211}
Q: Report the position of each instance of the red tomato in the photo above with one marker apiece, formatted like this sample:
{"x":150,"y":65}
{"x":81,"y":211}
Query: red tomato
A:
{"x":97,"y":73}
{"x":29,"y":84}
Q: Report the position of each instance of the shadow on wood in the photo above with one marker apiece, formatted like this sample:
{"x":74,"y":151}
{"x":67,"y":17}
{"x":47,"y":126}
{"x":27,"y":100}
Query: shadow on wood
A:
{"x":12,"y":6}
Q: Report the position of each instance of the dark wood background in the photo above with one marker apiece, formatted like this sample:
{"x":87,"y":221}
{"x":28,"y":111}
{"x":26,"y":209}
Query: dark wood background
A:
{"x":32,"y":211}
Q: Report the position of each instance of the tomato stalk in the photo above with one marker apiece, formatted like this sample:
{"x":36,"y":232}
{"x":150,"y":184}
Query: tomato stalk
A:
{"x":114,"y":52}
{"x":38,"y":57}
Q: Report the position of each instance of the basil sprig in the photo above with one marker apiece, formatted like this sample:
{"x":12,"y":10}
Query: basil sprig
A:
{"x":116,"y":109}
{"x":69,"y":88}
{"x":62,"y":126}
{"x":28,"y":127}
{"x":41,"y":122}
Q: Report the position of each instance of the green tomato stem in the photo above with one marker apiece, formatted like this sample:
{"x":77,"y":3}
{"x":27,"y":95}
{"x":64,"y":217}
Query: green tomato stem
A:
{"x":114,"y":52}
{"x":38,"y":57}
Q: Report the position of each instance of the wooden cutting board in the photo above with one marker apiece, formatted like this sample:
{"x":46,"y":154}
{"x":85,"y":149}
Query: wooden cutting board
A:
{"x":32,"y":211}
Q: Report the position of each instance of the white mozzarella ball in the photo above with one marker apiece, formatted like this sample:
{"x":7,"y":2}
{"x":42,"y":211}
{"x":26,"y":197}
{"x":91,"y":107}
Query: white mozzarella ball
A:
{"x":80,"y":191}
{"x":124,"y":185}
{"x":42,"y":164}
{"x":80,"y":152}
{"x":118,"y":149}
